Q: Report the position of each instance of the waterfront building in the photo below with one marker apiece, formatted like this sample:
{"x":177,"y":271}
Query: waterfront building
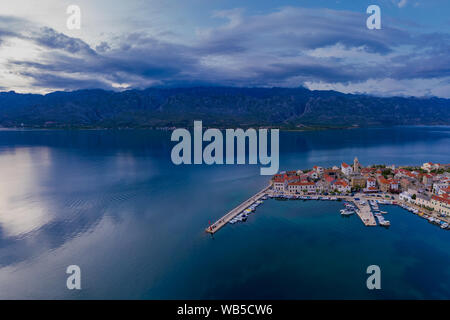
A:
{"x":388,"y":185}
{"x":341,"y":185}
{"x":321,"y":186}
{"x":328,"y":179}
{"x":422,"y":200}
{"x":358,"y":180}
{"x":346,"y":169}
{"x":441,"y":204}
{"x":371,"y":185}
{"x":302,"y":186}
{"x":405,"y":196}
{"x":371,"y":182}
{"x":279,"y":183}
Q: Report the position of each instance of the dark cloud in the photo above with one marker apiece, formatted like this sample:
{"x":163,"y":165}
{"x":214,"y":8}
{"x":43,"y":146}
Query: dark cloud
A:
{"x":68,"y":83}
{"x":280,"y":48}
{"x":47,"y":37}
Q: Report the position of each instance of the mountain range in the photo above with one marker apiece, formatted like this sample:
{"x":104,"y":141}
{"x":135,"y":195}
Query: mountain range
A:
{"x":287,"y":108}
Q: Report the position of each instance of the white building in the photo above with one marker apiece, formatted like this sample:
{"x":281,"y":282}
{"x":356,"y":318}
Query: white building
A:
{"x":405,"y":196}
{"x":302,"y":186}
{"x":318,"y":169}
{"x":346,"y":169}
{"x":341,"y":186}
{"x":371,"y":183}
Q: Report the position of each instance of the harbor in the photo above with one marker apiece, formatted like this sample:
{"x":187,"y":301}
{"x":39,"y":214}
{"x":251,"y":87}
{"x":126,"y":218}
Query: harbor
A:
{"x":361,"y":189}
{"x":364,"y":207}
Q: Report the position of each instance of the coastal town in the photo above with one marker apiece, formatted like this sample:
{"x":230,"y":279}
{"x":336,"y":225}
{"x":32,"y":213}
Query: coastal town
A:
{"x":423,"y":190}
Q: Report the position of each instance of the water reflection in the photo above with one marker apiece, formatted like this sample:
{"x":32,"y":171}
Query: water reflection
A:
{"x":21,"y":208}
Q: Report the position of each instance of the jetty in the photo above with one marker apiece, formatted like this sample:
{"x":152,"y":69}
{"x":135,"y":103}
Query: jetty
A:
{"x":216,"y":226}
{"x":365,"y":214}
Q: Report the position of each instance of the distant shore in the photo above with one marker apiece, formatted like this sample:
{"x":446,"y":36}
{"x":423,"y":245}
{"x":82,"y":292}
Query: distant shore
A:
{"x":284,"y":129}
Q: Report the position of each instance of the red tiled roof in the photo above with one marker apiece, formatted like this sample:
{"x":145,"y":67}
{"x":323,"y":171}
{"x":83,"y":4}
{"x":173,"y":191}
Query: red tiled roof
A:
{"x":383,"y":180}
{"x":345,"y":165}
{"x":282,"y":178}
{"x":443,"y":198}
{"x":341,"y":182}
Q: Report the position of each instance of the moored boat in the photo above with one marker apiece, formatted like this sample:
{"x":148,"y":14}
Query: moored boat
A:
{"x":346,"y":212}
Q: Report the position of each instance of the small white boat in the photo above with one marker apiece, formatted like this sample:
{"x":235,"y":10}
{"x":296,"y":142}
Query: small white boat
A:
{"x":346,"y":212}
{"x":385,"y":223}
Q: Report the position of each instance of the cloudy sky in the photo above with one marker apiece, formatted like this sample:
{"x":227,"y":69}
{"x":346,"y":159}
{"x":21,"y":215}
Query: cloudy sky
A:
{"x":137,"y":44}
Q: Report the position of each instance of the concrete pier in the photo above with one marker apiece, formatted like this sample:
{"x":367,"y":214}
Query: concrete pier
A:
{"x":365,"y":214}
{"x":216,"y":226}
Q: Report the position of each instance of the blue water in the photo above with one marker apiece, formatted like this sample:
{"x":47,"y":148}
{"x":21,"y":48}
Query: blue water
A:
{"x":114,"y":204}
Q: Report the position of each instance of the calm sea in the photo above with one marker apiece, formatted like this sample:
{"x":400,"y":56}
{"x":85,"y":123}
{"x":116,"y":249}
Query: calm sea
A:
{"x":112,"y":203}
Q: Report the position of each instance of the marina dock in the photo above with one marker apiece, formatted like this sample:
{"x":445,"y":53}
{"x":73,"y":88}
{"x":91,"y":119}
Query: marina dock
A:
{"x":216,"y":226}
{"x":364,"y":210}
{"x":365,"y":214}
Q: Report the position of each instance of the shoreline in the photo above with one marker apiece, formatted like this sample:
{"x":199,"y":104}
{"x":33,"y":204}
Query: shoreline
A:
{"x":365,"y":211}
{"x":307,"y":129}
{"x":423,"y":190}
